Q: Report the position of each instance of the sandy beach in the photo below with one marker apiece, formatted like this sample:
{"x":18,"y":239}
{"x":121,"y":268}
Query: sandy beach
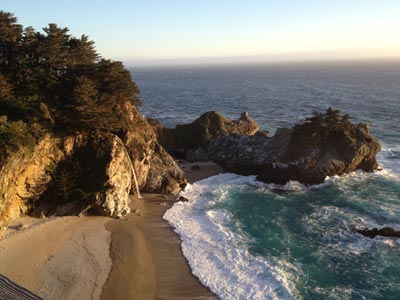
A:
{"x":138,"y":257}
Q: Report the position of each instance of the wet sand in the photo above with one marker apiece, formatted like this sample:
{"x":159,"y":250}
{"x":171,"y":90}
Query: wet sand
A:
{"x":158,"y":270}
{"x":101,"y":258}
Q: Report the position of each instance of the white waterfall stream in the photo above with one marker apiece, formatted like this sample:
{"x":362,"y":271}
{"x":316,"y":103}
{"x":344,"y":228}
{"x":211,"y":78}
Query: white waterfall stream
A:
{"x":134,"y":174}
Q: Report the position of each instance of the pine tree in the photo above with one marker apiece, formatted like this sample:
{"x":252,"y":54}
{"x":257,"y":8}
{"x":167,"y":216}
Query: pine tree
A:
{"x":82,"y":51}
{"x":332,"y":116}
{"x":84,"y":107}
{"x":10,"y":37}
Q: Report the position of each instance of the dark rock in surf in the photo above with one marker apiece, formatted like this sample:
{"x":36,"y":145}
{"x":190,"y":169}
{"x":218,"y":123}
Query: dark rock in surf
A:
{"x":386,"y":232}
{"x":183,"y":199}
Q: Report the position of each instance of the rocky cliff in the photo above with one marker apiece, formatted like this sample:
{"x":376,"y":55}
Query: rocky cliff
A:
{"x":86,"y":172}
{"x":156,"y":170}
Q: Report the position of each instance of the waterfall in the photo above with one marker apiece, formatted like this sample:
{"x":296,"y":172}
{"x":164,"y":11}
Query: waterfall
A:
{"x":134,"y":174}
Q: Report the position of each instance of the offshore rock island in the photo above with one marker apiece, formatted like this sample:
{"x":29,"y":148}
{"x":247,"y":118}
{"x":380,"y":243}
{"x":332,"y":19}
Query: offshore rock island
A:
{"x":324,"y":145}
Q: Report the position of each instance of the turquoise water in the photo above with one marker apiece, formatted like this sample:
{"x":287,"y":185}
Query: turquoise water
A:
{"x":250,"y":240}
{"x":312,"y":230}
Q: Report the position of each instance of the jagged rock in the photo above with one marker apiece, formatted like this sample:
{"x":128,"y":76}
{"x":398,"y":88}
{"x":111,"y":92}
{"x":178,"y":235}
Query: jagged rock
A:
{"x":183,"y":199}
{"x":24,"y":176}
{"x":307,"y":153}
{"x":241,"y":154}
{"x":30,"y":177}
{"x":156,"y":170}
{"x":263,"y":133}
{"x":189,"y":141}
{"x":386,"y":231}
{"x":113,"y":199}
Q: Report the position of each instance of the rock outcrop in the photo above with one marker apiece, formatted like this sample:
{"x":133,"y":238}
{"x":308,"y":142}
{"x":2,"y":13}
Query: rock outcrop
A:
{"x":20,"y":175}
{"x":386,"y":232}
{"x":157,"y":171}
{"x":190,"y":141}
{"x":93,"y":175}
{"x":308,"y":153}
{"x":324,"y":145}
{"x":38,"y":181}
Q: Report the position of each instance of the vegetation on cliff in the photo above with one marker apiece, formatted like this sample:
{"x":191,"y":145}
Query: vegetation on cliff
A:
{"x":58,"y":82}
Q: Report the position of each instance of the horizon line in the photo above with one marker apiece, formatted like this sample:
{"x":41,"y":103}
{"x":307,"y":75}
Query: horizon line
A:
{"x":308,"y":57}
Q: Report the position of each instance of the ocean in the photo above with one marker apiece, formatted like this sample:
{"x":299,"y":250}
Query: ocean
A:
{"x":250,"y":240}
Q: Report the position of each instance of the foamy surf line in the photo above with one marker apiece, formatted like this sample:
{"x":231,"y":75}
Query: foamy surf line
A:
{"x":389,"y":160}
{"x":216,"y":254}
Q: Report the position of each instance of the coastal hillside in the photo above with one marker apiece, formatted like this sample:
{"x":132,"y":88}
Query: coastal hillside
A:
{"x":70,"y":130}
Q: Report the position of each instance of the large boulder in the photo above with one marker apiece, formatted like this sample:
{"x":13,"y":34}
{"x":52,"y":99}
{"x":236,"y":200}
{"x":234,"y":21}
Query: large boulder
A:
{"x":190,"y":141}
{"x":322,"y":146}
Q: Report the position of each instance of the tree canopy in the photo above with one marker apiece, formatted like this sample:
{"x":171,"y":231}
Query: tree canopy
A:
{"x":60,"y":81}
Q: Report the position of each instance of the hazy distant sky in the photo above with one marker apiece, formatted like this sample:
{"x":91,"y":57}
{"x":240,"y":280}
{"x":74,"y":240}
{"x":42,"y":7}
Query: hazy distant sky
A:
{"x":150,"y":31}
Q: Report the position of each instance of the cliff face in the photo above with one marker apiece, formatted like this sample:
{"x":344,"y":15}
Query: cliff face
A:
{"x":157,"y":171}
{"x":86,"y":172}
{"x":23,"y":177}
{"x":93,"y":175}
{"x":38,"y":181}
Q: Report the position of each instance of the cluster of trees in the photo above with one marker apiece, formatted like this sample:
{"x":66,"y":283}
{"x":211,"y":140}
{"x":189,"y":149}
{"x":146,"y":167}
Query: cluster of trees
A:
{"x":321,"y":129}
{"x":60,"y":81}
{"x":326,"y":124}
{"x":330,"y":118}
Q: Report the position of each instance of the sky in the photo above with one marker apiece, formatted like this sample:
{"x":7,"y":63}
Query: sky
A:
{"x":200,"y":31}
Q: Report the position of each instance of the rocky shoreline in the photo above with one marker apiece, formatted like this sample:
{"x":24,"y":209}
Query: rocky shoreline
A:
{"x":92,"y":173}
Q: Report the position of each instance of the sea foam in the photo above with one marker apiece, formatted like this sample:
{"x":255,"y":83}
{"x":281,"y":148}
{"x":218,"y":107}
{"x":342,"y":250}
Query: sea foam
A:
{"x":216,"y":254}
{"x":389,"y":161}
{"x":217,"y":250}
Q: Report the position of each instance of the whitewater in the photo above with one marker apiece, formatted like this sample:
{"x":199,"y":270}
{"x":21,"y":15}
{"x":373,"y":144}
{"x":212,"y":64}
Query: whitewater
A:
{"x":225,"y":255}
